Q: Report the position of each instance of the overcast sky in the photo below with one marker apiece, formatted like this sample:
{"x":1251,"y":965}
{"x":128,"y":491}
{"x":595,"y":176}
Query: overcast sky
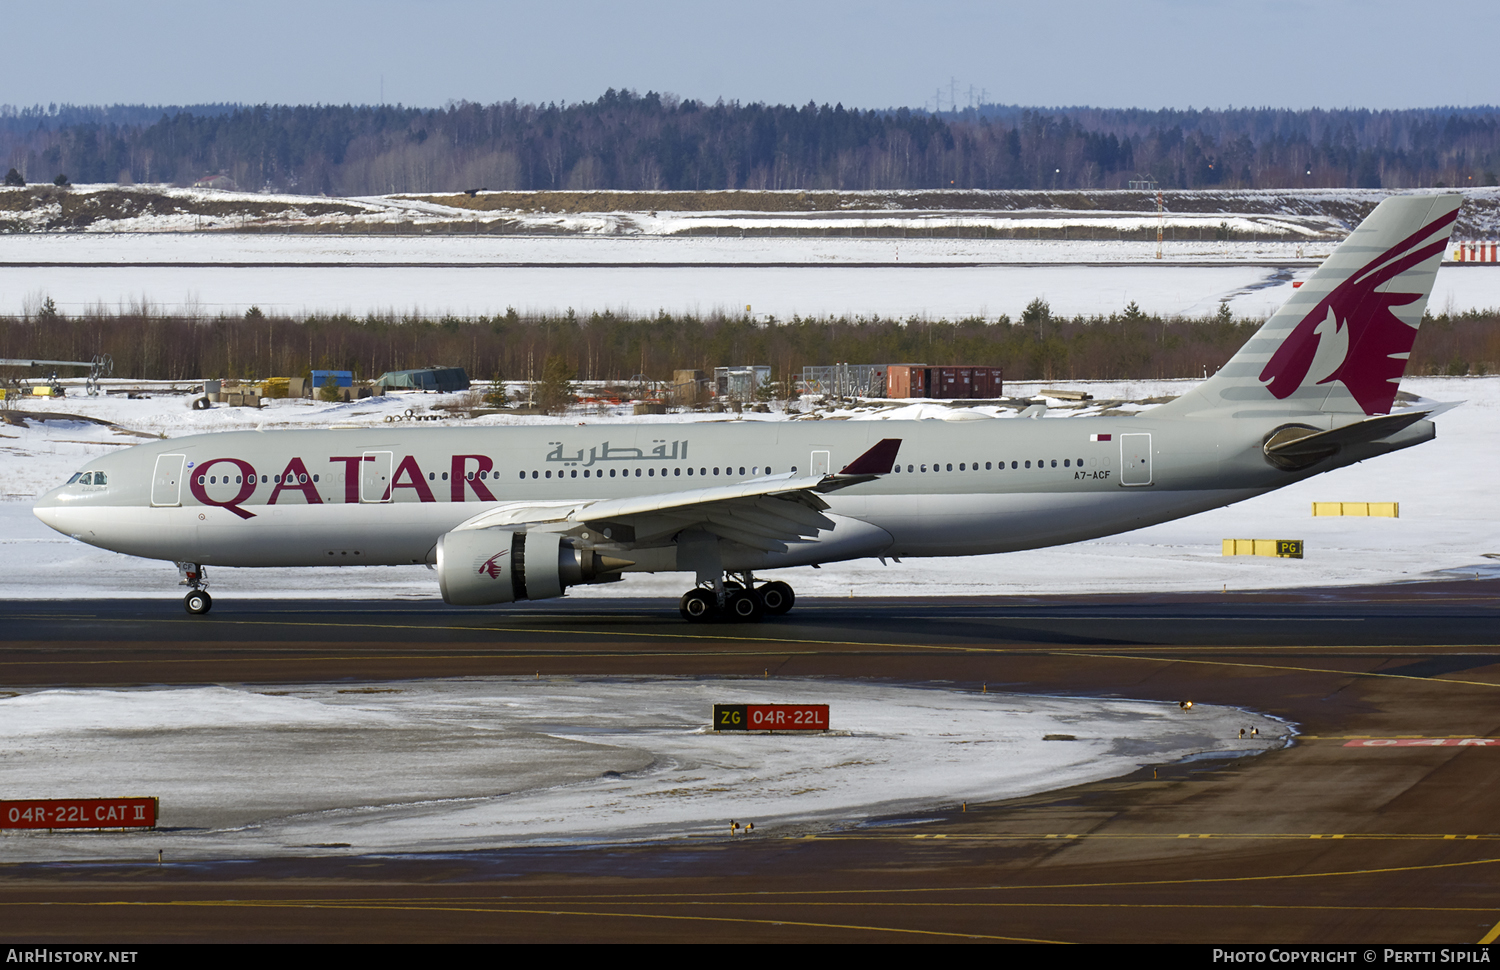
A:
{"x":1128,"y":53}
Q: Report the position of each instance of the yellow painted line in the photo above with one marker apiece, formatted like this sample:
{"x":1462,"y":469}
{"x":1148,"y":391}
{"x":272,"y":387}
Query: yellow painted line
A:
{"x":1388,"y":737}
{"x":489,"y":910}
{"x":1149,"y":837}
{"x":1302,"y":670}
{"x":1030,"y":887}
{"x":957,"y":647}
{"x":437,"y":903}
{"x":1492,"y":935}
{"x":562,"y":651}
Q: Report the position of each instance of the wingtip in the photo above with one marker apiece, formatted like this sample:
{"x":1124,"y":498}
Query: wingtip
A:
{"x":877,"y":461}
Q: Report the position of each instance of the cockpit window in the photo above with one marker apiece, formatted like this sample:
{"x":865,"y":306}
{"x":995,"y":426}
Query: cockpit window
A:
{"x":87,"y":479}
{"x":100,"y":479}
{"x":75,"y":478}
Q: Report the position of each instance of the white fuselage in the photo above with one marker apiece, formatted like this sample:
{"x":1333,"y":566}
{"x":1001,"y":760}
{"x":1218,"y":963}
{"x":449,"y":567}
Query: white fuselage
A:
{"x":385,"y":496}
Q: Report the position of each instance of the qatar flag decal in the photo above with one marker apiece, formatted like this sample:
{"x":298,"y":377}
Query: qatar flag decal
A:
{"x":1099,"y":437}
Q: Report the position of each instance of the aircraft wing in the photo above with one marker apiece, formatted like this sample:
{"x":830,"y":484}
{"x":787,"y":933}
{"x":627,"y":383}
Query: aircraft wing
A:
{"x":763,"y":513}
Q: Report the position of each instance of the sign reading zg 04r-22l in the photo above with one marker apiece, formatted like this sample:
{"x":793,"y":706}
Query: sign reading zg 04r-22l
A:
{"x":770,"y":717}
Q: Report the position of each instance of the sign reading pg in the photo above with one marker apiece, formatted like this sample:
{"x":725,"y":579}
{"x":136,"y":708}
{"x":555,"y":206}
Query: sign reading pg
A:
{"x":770,"y":717}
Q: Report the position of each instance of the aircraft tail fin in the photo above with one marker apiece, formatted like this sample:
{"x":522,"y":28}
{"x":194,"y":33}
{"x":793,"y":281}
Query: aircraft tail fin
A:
{"x":1341,"y":343}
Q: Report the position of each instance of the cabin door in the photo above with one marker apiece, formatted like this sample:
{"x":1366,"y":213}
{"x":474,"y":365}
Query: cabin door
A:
{"x":166,"y":483}
{"x":375,"y":477}
{"x":1135,"y":459}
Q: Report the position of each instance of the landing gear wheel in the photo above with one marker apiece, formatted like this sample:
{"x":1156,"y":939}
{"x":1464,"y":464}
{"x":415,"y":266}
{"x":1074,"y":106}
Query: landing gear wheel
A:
{"x":777,"y":598}
{"x":744,"y":606}
{"x":198,"y":602}
{"x":698,"y":605}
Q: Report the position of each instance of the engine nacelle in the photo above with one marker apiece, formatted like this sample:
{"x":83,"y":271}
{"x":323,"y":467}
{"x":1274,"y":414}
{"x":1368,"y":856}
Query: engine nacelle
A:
{"x":476,"y":567}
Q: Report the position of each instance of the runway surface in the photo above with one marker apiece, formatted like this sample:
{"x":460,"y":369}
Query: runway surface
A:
{"x":1334,"y":839}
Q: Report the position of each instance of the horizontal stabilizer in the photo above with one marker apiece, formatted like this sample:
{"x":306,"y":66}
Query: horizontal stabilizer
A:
{"x":1290,"y":448}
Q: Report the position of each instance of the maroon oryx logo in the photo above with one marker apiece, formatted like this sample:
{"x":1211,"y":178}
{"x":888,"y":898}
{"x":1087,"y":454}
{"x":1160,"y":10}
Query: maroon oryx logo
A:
{"x":1378,"y":340}
{"x":490,"y":567}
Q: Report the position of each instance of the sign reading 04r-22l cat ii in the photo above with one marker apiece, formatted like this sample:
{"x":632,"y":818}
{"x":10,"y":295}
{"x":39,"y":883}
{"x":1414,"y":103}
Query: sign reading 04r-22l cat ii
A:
{"x":770,"y":717}
{"x":79,"y":813}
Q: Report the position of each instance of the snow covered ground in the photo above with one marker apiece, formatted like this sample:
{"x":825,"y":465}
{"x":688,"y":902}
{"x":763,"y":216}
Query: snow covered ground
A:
{"x":1449,"y":520}
{"x":463,"y":764}
{"x":779,"y":277}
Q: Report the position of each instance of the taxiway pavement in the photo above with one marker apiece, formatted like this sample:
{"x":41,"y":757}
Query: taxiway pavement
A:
{"x":1333,"y":840}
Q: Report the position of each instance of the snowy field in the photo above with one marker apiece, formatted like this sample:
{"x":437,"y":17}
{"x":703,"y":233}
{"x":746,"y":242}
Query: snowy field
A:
{"x":449,"y":765}
{"x":1449,"y":520}
{"x":468,"y":276}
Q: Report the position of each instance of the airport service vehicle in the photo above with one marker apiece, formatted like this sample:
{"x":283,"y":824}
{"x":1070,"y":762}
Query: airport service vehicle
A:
{"x":511,"y":514}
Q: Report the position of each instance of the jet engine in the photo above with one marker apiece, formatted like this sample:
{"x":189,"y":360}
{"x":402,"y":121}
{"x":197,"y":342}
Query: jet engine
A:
{"x":481,"y":566}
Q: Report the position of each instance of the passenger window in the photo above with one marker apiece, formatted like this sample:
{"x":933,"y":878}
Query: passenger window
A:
{"x":523,"y":475}
{"x":549,"y":474}
{"x":690,"y":473}
{"x":432,"y":476}
{"x":924,"y":468}
{"x":742,"y":469}
{"x":1028,"y":464}
{"x":637,"y":473}
{"x":533,"y":474}
{"x":1065,"y":463}
{"x":1054,"y":463}
{"x":445,"y":476}
{"x":716,"y":470}
{"x":575,"y":473}
{"x":651,"y":472}
{"x":960,"y":466}
{"x":950,"y":466}
{"x":986,"y":466}
{"x":675,"y":471}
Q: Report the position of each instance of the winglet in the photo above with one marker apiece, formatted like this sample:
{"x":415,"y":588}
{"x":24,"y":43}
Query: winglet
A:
{"x":877,"y":461}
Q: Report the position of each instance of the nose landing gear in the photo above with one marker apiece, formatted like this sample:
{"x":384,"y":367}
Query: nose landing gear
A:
{"x":197,"y":601}
{"x":737,"y":601}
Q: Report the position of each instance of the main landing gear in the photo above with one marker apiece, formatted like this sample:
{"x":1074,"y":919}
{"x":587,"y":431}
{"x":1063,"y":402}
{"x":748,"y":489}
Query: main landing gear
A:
{"x":194,"y":576}
{"x":738,"y":601}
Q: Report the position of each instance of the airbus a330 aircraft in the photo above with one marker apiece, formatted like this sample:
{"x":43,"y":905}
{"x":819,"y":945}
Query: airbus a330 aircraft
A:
{"x":508,"y":514}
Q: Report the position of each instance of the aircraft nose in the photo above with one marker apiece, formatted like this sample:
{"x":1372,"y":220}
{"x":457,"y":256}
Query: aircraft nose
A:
{"x":49,"y":510}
